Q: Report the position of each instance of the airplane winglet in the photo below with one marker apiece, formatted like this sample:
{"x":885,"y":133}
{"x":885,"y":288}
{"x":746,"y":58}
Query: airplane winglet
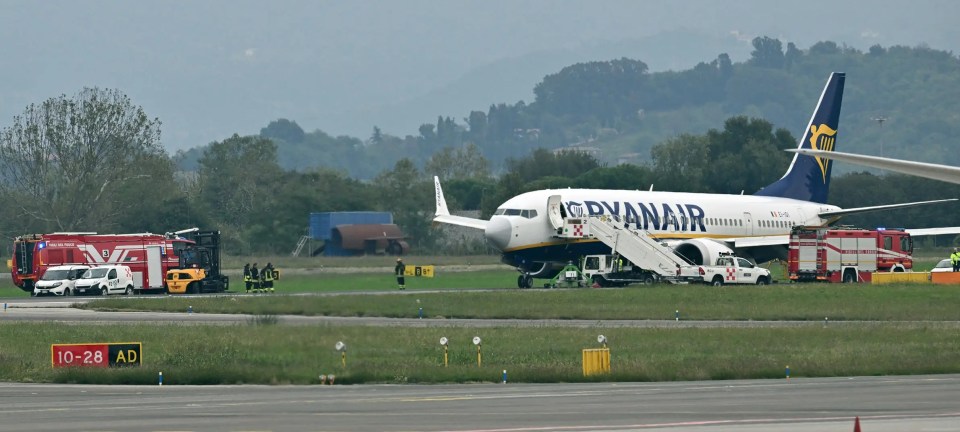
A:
{"x":443,"y":214}
{"x":441,"y":202}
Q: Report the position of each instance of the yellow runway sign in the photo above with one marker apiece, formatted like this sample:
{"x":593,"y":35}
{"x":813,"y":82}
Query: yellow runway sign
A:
{"x":422,"y":271}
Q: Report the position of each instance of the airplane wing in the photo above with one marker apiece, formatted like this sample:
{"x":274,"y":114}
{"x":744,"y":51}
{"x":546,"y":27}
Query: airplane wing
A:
{"x":783,"y":240}
{"x":843,"y":212}
{"x":442,"y":215}
{"x":950,"y":174}
{"x":746,"y":242}
{"x":919,"y":232}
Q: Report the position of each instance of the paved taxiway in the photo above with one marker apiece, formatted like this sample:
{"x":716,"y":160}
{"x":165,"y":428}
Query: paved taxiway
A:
{"x":921,"y":403}
{"x":54,"y":309}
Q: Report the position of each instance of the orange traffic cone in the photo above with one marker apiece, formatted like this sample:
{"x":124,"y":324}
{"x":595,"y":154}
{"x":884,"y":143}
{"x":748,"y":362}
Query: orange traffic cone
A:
{"x":856,"y":424}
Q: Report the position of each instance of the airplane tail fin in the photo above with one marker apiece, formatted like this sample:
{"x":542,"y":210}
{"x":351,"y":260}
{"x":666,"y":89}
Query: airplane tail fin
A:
{"x":808,"y":178}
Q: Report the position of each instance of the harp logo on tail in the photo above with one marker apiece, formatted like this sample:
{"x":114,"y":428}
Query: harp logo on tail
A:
{"x":822,"y":137}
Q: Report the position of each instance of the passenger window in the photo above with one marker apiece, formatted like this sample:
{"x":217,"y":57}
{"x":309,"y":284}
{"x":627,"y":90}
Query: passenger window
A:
{"x":744,"y":263}
{"x":887,"y":242}
{"x":113,"y":274}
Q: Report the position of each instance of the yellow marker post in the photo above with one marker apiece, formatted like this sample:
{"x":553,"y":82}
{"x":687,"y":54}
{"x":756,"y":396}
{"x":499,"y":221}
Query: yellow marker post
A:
{"x":444,"y":341}
{"x":342,"y":347}
{"x":476,"y":341}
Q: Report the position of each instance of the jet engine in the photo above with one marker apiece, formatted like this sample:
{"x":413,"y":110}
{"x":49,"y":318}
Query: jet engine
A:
{"x":700,"y":251}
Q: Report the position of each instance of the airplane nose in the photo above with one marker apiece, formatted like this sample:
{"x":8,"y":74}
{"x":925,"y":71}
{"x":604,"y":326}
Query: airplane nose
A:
{"x":498,"y":232}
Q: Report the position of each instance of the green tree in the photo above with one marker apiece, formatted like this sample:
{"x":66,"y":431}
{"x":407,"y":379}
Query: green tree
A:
{"x":458,"y":163}
{"x":283,"y":129}
{"x":746,"y":155}
{"x":767,"y":52}
{"x":237,"y":180}
{"x":405,"y":193}
{"x":65,"y":160}
{"x":681,"y":163}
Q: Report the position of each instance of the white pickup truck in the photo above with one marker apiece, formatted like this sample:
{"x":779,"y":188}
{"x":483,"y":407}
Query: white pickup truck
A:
{"x":611,"y":270}
{"x":729,"y":269}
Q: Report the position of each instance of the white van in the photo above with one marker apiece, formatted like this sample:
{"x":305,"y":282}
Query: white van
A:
{"x":59,"y":280}
{"x":104,"y":280}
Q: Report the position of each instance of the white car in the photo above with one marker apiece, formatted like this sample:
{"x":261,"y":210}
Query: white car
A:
{"x":59,"y":280}
{"x":104,"y":280}
{"x":943,"y":266}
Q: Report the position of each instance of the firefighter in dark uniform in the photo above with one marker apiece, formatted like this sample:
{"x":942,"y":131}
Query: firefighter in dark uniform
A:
{"x":267,"y":274}
{"x":398,"y":271}
{"x":246,"y":276}
{"x":255,"y":277}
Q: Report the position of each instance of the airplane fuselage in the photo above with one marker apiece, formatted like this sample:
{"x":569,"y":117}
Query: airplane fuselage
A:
{"x":522,"y":228}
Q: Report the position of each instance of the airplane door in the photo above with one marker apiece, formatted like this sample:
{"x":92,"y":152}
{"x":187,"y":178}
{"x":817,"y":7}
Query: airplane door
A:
{"x":748,"y":223}
{"x":554,"y":211}
{"x":154,"y":273}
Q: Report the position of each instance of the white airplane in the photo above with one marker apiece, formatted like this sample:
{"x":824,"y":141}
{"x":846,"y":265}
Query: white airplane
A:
{"x":698,"y":226}
{"x":949,"y":174}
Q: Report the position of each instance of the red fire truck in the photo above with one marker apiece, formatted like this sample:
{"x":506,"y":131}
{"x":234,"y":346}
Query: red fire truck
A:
{"x":845,"y":254}
{"x":149,"y":256}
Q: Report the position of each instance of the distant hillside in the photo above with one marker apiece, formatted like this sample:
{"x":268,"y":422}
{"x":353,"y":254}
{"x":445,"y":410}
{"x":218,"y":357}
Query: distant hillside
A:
{"x":619,"y":109}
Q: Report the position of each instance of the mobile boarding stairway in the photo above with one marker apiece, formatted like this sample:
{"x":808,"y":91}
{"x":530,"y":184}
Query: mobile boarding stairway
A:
{"x":633,"y":244}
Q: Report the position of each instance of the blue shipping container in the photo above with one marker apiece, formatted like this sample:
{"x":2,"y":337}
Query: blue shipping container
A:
{"x":322,"y":224}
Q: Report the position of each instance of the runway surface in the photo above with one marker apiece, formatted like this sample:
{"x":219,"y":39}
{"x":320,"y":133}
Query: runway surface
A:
{"x":922,"y":403}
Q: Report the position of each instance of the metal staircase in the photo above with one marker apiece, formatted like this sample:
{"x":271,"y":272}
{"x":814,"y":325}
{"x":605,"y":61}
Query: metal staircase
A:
{"x":633,"y":244}
{"x":300,"y":244}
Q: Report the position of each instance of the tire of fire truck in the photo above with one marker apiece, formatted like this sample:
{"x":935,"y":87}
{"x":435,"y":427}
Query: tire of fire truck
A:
{"x":849,"y":276}
{"x":129,"y":290}
{"x":898,"y":269}
{"x":717,"y":281}
{"x":762,"y":281}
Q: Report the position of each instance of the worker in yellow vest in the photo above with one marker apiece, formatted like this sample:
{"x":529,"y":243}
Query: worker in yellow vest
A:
{"x":246,"y":276}
{"x":268,"y":276}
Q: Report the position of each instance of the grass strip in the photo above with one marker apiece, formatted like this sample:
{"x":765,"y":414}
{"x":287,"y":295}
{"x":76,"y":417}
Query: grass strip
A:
{"x":805,"y":302}
{"x":260,"y":353}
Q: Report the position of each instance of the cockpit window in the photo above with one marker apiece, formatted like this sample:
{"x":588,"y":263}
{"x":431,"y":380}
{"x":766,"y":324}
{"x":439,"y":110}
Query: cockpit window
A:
{"x":528,"y":214}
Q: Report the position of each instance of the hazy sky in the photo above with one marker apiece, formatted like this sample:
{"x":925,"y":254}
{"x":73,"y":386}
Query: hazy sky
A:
{"x":209,"y":69}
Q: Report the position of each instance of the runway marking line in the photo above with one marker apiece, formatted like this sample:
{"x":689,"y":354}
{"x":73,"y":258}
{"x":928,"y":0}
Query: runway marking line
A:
{"x":708,"y":423}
